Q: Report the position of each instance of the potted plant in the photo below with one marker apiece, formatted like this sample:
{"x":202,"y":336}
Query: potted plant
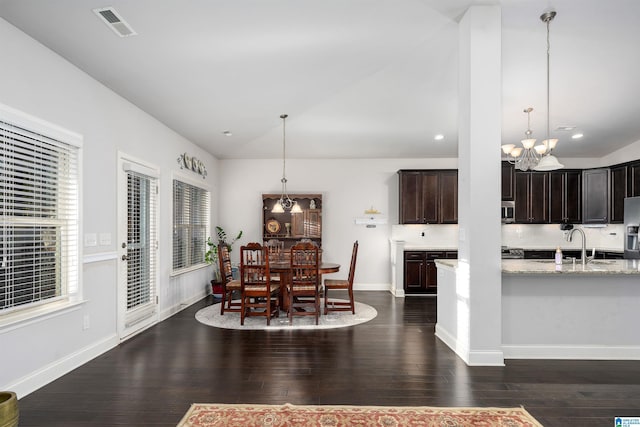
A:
{"x":211,"y":256}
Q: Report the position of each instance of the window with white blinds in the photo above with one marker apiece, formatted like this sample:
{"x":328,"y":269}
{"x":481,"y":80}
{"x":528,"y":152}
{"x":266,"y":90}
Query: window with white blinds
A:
{"x":38,"y":216}
{"x":190,"y":225}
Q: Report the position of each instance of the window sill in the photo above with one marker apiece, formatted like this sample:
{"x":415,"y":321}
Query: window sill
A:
{"x":22,"y":318}
{"x":175,"y":273}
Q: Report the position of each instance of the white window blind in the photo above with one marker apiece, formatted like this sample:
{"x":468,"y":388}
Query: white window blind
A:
{"x":141,"y":243}
{"x":190,"y":225}
{"x":38,"y":217}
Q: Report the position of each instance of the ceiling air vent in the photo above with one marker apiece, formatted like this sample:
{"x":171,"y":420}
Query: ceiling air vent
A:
{"x":115,"y":21}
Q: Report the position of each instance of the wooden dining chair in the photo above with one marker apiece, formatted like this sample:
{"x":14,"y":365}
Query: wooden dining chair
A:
{"x":229,"y":284}
{"x":338,"y":284}
{"x":276,"y":249}
{"x":260,"y":296}
{"x":304,"y":286}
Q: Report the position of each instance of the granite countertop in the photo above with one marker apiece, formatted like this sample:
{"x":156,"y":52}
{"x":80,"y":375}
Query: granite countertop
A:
{"x":416,"y":247}
{"x":544,"y":266}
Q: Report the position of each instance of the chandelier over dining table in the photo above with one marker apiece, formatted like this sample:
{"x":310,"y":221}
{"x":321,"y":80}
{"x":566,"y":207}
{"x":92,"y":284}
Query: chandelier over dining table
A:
{"x":285,"y":201}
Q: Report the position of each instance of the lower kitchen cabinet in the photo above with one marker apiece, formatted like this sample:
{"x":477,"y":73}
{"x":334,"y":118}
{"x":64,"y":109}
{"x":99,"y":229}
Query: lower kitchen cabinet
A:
{"x":420,"y":272}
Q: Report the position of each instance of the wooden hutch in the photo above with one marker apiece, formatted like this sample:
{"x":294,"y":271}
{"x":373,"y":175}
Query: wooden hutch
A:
{"x":293,"y":227}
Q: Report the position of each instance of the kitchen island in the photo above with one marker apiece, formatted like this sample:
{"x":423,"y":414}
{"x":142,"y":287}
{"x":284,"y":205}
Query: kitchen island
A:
{"x":549,"y":311}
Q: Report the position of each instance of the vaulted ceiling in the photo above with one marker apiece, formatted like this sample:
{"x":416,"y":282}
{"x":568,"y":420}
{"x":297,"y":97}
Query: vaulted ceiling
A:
{"x":358,"y":78}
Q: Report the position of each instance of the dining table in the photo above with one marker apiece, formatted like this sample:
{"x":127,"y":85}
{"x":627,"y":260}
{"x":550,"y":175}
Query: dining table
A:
{"x":283,"y":269}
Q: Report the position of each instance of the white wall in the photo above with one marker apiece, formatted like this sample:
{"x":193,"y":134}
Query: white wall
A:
{"x":348,"y":188}
{"x":44,"y":85}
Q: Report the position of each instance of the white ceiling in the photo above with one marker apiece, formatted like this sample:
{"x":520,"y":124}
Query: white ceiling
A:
{"x":358,"y":78}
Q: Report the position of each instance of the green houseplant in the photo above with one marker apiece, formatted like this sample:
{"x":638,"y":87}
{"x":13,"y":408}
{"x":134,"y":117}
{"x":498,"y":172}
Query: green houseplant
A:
{"x":211,"y":256}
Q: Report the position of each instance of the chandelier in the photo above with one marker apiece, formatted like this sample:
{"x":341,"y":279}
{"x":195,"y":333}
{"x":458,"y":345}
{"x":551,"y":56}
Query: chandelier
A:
{"x":531,"y":156}
{"x":528,"y":156}
{"x":285,"y":201}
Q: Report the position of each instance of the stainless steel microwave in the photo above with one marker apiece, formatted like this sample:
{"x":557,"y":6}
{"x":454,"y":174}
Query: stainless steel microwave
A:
{"x":508,"y":212}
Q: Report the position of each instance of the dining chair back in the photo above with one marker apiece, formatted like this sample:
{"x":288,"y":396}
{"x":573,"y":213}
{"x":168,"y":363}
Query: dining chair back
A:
{"x":304,"y":286}
{"x":260,"y":296}
{"x":229,"y":284}
{"x":276,"y":249}
{"x":341,"y":284}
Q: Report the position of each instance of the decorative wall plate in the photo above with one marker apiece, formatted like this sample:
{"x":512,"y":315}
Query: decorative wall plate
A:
{"x":187,"y":161}
{"x":272,"y":226}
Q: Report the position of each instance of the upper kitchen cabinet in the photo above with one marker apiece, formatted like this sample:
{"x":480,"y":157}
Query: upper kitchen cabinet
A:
{"x":508,"y":181}
{"x":624,"y":181}
{"x":428,"y":196}
{"x":595,"y":196}
{"x":532,"y":197}
{"x":565,"y":196}
{"x":619,"y":188}
{"x":633,"y":183}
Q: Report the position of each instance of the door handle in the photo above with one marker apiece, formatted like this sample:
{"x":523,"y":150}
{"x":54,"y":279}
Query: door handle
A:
{"x":124,"y":257}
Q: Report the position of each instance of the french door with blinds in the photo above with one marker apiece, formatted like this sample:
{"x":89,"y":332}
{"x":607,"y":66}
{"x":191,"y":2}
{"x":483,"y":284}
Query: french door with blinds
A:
{"x":137,"y":289}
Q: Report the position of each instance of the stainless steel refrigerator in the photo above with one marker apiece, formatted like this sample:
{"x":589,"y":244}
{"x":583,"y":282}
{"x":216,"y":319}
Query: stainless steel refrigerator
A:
{"x":631,"y":224}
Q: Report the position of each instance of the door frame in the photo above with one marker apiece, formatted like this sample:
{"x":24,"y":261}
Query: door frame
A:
{"x":124,"y":332}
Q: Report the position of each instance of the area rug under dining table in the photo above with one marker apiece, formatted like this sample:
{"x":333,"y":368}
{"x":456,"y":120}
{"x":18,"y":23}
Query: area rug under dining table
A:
{"x":211,"y":316}
{"x":210,"y":415}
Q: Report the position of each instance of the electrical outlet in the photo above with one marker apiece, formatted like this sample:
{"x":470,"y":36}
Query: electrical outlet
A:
{"x":86,"y":323}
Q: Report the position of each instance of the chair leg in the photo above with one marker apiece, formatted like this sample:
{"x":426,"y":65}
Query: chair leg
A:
{"x":352,"y":301}
{"x":242,"y":310}
{"x":326,"y":298}
{"x":268,"y":310}
{"x":290,"y":308}
{"x":224,"y":300}
{"x":317,"y":308}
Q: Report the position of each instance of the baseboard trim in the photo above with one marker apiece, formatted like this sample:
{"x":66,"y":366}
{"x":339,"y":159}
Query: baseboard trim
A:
{"x":571,"y":352}
{"x":470,"y":357}
{"x":372,"y":286}
{"x":165,"y":314}
{"x":51,"y":372}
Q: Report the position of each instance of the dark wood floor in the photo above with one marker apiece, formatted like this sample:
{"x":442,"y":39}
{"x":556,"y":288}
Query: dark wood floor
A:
{"x":395,"y":359}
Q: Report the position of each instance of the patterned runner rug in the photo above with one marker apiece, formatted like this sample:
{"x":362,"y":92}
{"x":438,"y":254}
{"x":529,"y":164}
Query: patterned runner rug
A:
{"x":210,"y":415}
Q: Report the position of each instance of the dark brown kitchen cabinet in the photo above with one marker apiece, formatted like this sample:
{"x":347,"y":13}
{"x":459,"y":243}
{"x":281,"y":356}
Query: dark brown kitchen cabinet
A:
{"x":508,"y":181}
{"x":565,"y":196}
{"x":420,"y":272}
{"x":633,"y":173}
{"x":595,"y":196}
{"x":428,"y":196}
{"x":619,"y":189}
{"x":448,"y":197}
{"x":532,"y":197}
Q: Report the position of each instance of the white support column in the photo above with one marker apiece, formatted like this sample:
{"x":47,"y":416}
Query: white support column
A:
{"x":478,"y":282}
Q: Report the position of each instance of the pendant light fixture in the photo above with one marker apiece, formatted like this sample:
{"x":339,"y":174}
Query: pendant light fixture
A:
{"x":548,"y":162}
{"x":285,"y":201}
{"x":528,"y":156}
{"x":531,"y":156}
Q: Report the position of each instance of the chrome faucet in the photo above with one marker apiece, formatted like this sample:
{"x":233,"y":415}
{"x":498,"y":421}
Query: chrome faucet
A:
{"x":585,"y":259}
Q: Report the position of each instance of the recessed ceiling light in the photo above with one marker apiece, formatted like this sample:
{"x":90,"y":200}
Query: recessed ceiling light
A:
{"x":577,"y":136}
{"x":439,"y":137}
{"x":566,"y":128}
{"x":227,"y":133}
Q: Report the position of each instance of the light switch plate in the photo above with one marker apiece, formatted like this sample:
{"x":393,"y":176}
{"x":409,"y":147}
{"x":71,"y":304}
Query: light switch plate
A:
{"x":105,"y":239}
{"x":90,"y":239}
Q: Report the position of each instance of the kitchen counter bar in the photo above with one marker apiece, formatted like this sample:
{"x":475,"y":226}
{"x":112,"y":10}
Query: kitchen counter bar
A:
{"x":546,"y":267}
{"x":569,"y":312}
